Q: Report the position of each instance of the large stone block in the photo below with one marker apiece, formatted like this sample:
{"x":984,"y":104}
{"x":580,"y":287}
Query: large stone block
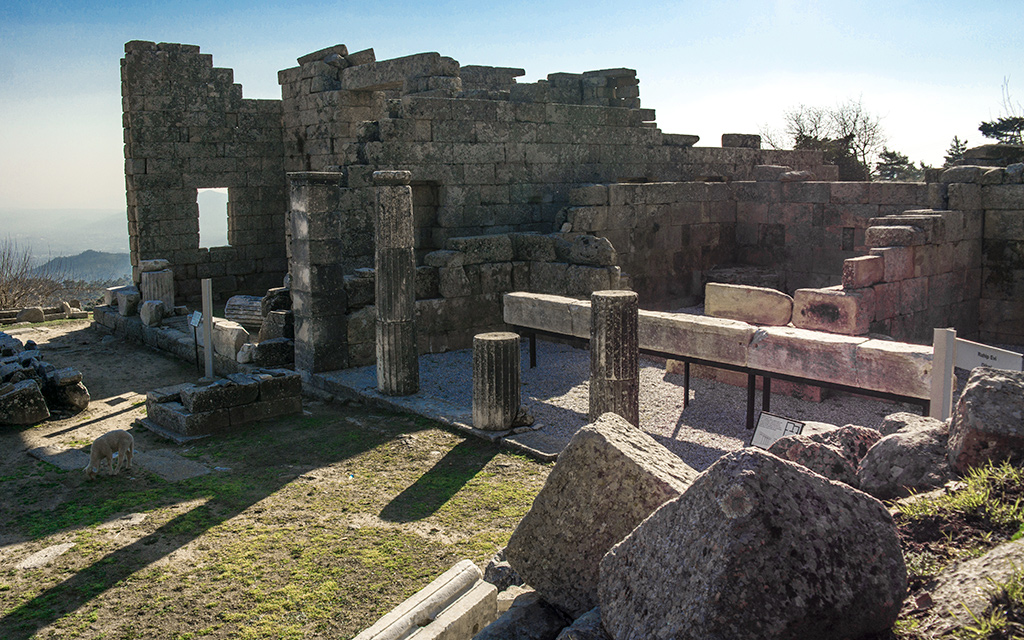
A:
{"x":834,"y":309}
{"x":863,"y":271}
{"x":158,"y":285}
{"x":912,"y":459}
{"x":227,"y":337}
{"x":556,"y":314}
{"x":717,"y":339}
{"x":22,"y":403}
{"x":756,"y":305}
{"x":895,"y":367}
{"x":607,"y":480}
{"x":808,"y":354}
{"x":987,"y":424}
{"x":477,"y":249}
{"x":757,"y":548}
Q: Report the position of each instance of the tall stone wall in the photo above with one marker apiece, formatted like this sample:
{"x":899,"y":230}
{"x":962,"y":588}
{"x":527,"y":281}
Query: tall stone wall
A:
{"x":187,"y":127}
{"x":996,"y":195}
{"x":668,"y":234}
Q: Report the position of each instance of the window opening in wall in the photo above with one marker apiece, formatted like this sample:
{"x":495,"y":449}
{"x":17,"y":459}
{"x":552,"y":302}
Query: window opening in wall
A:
{"x":213,"y":217}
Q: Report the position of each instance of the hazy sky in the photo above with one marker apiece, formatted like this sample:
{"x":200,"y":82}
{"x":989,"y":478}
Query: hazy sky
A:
{"x":932,"y":69}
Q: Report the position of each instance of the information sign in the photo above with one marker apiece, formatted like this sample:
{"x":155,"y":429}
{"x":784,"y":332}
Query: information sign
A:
{"x":195,"y":319}
{"x":973,"y":354}
{"x":771,"y":427}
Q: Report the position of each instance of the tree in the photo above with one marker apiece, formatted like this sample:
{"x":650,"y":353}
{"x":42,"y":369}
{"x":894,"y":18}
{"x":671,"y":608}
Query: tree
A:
{"x":955,"y":152}
{"x":22,"y":286}
{"x":895,"y":167}
{"x":1008,"y":128}
{"x":849,"y":136}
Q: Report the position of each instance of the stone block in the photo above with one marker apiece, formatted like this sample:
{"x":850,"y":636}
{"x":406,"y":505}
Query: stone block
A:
{"x":227,"y":337}
{"x":815,"y":355}
{"x":174,"y":416}
{"x":275,"y":352}
{"x":863,"y":271}
{"x":167,"y":394}
{"x":240,"y":389}
{"x":704,"y":337}
{"x":736,"y":554}
{"x":607,"y":480}
{"x":770,"y":172}
{"x":898,"y":262}
{"x":591,"y":250}
{"x":453,"y":282}
{"x":913,"y":295}
{"x":128,"y":300}
{"x":22,"y":403}
{"x":552,"y":313}
{"x":530,"y":247}
{"x":527,"y":616}
{"x":152,"y":313}
{"x":834,"y":309}
{"x":741,"y":140}
{"x":279,"y":383}
{"x":478,"y":249}
{"x":263,"y":410}
{"x":1007,"y":196}
{"x":756,"y":305}
{"x":893,"y":236}
{"x":895,"y":367}
{"x":158,"y":285}
{"x":30,"y":314}
{"x":909,"y":461}
{"x":986,"y":425}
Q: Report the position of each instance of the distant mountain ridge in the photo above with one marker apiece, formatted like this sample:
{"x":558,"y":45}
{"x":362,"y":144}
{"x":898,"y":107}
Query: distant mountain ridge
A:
{"x":90,"y":266}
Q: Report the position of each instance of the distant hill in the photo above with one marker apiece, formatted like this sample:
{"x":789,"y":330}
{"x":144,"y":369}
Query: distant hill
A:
{"x":90,"y":266}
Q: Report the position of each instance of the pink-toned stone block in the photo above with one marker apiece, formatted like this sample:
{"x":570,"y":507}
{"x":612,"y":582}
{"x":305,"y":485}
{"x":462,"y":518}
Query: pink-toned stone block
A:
{"x":756,"y":305}
{"x":893,"y":236}
{"x":863,"y":271}
{"x":850,"y":192}
{"x":834,"y":309}
{"x":895,"y":367}
{"x":899,"y":262}
{"x":887,"y":300}
{"x":809,"y":354}
{"x":914,"y":294}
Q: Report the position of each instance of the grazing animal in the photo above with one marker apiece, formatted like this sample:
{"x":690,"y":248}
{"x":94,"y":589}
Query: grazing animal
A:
{"x":103,"y":448}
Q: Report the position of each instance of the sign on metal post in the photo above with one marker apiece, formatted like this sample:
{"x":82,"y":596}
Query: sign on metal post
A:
{"x":771,"y":427}
{"x":973,"y":354}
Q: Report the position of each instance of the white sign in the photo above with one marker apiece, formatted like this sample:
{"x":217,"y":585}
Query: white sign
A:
{"x":771,"y":427}
{"x":195,"y":319}
{"x":972,"y":354}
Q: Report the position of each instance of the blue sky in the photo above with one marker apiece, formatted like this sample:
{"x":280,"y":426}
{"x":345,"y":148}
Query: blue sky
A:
{"x":931,"y":70}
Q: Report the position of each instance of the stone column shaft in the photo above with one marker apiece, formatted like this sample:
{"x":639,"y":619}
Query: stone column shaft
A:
{"x":496,"y":374}
{"x":395,"y":262}
{"x":614,"y":355}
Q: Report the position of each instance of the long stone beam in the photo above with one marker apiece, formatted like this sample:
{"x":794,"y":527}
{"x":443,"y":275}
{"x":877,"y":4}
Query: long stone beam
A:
{"x":391,"y":74}
{"x":877,"y":365}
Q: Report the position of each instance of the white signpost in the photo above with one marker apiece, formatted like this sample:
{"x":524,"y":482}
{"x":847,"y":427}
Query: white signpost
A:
{"x":949,"y":352}
{"x":771,"y":427}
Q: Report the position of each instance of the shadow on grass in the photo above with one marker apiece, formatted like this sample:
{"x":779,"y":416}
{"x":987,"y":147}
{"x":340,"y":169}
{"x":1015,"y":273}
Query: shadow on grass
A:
{"x":436,"y":487}
{"x":225,"y":497}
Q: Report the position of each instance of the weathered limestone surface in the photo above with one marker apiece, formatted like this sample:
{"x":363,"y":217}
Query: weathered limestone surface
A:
{"x":529,"y":617}
{"x":895,"y":367}
{"x":756,"y":548}
{"x":609,"y":478}
{"x":128,"y":300}
{"x":863,"y":271}
{"x":496,"y":373}
{"x":696,"y":336}
{"x":912,"y":459}
{"x":809,"y":354}
{"x":152,"y":313}
{"x":835,"y":454}
{"x":834,"y":309}
{"x":987,"y":423}
{"x":157,"y":285}
{"x":614,"y":355}
{"x":756,"y":305}
{"x":245,"y":310}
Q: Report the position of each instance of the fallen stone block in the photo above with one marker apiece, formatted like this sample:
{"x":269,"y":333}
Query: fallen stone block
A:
{"x":71,"y":396}
{"x":586,"y":627}
{"x":274,"y":353}
{"x":31,"y":314}
{"x":228,"y":337}
{"x":744,"y":555}
{"x":245,"y":310}
{"x":22,"y":403}
{"x":911,"y":460}
{"x":500,"y":573}
{"x":423,"y":606}
{"x":609,"y":478}
{"x":987,"y":425}
{"x":834,"y":309}
{"x":152,"y":313}
{"x":168,"y":394}
{"x":528,"y":617}
{"x":755,"y":305}
{"x":967,"y":590}
{"x":904,"y":421}
{"x":280,"y":324}
{"x":110,"y":294}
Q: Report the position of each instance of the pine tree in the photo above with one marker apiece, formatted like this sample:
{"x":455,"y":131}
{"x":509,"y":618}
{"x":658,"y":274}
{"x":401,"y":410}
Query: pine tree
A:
{"x":955,"y":152}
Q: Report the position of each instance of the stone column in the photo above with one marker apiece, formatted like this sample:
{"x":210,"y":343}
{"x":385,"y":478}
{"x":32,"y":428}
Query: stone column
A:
{"x":318,"y":278}
{"x":397,"y":355}
{"x":614,"y":355}
{"x":496,"y":396}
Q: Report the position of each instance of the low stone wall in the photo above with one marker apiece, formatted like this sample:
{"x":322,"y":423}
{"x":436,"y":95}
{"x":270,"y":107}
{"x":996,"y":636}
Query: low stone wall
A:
{"x":877,"y":365}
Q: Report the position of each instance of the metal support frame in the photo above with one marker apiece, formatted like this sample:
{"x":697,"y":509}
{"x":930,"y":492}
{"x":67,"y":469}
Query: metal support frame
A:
{"x":766,"y":376}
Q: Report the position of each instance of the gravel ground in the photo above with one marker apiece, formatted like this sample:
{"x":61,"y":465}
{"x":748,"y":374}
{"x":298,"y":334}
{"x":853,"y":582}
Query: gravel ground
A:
{"x":555,"y":393}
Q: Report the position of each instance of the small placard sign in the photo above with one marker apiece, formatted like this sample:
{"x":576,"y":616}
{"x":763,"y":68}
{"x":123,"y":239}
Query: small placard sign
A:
{"x":771,"y":427}
{"x":973,"y":354}
{"x":195,"y":319}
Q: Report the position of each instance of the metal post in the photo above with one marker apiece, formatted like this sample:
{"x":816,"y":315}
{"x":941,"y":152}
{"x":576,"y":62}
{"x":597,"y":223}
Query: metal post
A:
{"x":207,"y":290}
{"x":943,"y":359}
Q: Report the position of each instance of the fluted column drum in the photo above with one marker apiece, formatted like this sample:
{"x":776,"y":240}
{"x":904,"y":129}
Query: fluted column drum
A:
{"x":496,"y":392}
{"x":614,"y":355}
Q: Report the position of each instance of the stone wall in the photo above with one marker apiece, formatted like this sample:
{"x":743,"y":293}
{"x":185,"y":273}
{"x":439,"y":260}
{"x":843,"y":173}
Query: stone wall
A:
{"x":996,"y":195}
{"x":668,"y":234}
{"x":187,"y":127}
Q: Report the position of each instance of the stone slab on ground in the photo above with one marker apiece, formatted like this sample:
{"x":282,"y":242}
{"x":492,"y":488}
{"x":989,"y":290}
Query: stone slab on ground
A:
{"x":44,"y":557}
{"x":166,"y":464}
